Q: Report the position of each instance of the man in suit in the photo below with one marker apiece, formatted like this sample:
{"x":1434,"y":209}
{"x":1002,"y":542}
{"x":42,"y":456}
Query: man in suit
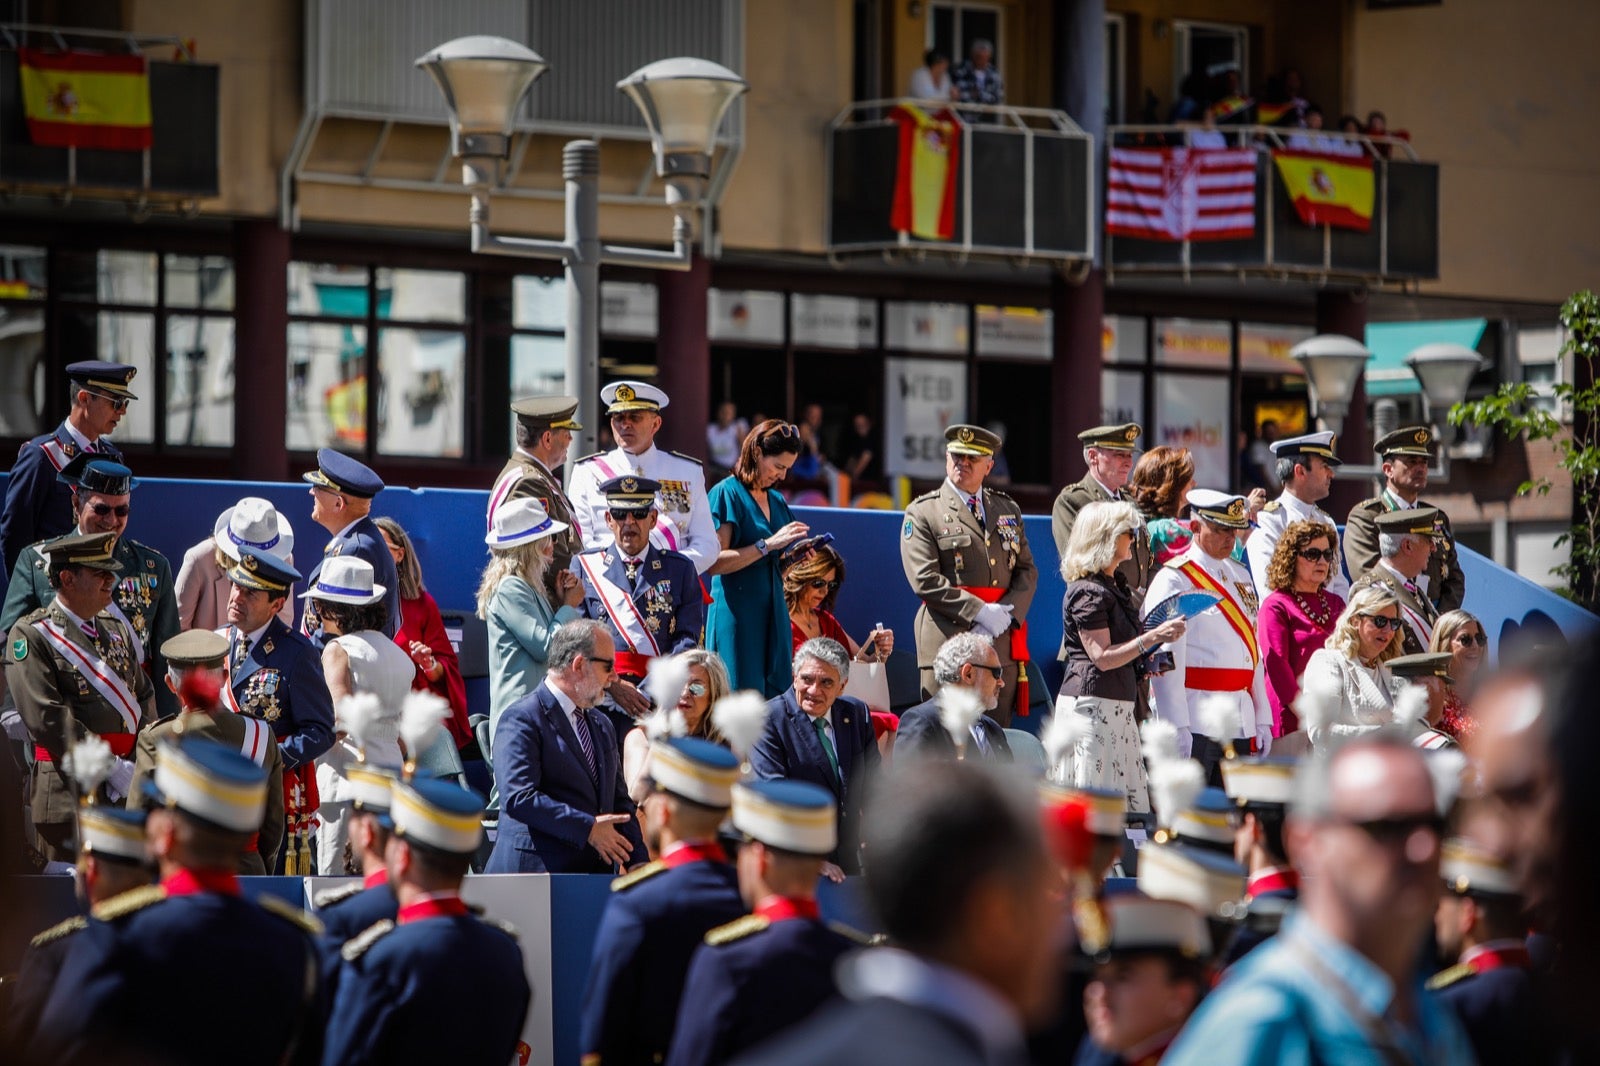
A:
{"x":967,"y":894}
{"x":564,"y":807}
{"x":202,"y":584}
{"x":814,"y":733}
{"x":341,"y":502}
{"x":1108,"y":451}
{"x":1405,"y":455}
{"x":1407,"y":540}
{"x":1261,"y":789}
{"x":545,"y":425}
{"x":967,"y":660}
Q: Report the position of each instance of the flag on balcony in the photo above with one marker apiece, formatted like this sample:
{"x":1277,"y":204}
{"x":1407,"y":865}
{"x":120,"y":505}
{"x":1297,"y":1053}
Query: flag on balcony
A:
{"x":925,"y":176}
{"x":85,"y":99}
{"x":1328,"y":189}
{"x":1182,"y":194}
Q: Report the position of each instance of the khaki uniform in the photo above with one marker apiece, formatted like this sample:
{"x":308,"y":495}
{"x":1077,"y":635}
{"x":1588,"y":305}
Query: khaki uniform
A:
{"x":1416,"y":611}
{"x":523,"y":477}
{"x":56,"y":699}
{"x":1074,"y":498}
{"x":1446,"y":585}
{"x":943,"y":547}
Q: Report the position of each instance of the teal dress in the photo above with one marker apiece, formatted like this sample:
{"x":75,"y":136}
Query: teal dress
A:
{"x":748,"y":625}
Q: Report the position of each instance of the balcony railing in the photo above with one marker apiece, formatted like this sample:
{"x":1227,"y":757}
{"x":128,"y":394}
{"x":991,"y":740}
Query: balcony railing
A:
{"x":1402,"y":243}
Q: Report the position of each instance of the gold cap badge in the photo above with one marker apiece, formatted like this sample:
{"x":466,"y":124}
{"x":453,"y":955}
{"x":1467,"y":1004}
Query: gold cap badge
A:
{"x":625,"y":394}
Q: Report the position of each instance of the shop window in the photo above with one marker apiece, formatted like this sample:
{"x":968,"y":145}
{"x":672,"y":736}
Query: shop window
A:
{"x":122,"y":337}
{"x":327,"y":386}
{"x":1003,"y":389}
{"x":1191,"y":411}
{"x":421,"y":380}
{"x":204,"y":282}
{"x":1194,"y":342}
{"x":124,"y":278}
{"x":422,"y":295}
{"x":199,"y":386}
{"x":23,"y":405}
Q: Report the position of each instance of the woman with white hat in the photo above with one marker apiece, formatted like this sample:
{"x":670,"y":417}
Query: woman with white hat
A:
{"x":202,"y":584}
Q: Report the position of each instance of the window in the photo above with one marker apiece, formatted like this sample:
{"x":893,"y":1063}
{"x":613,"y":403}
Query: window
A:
{"x":23,"y":273}
{"x":952,"y":27}
{"x":1543,"y":365}
{"x":1208,"y":49}
{"x":1116,"y":60}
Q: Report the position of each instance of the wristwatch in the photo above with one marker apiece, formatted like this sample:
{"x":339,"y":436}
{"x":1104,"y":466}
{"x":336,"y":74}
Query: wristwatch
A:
{"x":761,"y":545}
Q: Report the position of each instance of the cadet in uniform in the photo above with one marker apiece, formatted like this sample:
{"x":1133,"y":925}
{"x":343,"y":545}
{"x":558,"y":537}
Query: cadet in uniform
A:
{"x":771,"y":969}
{"x":341,"y":493}
{"x":545,"y":425}
{"x":345,"y":912}
{"x":1405,"y":455}
{"x":1430,"y":671}
{"x":400,"y":982}
{"x":204,"y":653}
{"x":1414,"y":533}
{"x":71,"y":668}
{"x":37,"y":507}
{"x":659,"y":913}
{"x":1306,"y":467}
{"x":1207,"y":823}
{"x":1109,"y":452}
{"x":1261,"y":789}
{"x":966,"y":556}
{"x":244,"y":971}
{"x":683,"y":522}
{"x":143,"y":598}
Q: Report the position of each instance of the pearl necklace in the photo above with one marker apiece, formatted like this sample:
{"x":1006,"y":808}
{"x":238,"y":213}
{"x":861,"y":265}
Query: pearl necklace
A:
{"x":1320,"y":616}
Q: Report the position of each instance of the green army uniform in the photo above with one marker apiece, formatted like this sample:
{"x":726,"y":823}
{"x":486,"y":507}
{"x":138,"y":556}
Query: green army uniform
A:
{"x":1412,"y":605}
{"x":1135,"y":570}
{"x":1446,"y":584}
{"x":525,"y":477}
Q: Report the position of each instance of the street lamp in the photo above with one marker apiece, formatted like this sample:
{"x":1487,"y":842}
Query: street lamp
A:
{"x":1333,"y":363}
{"x":683,"y":101}
{"x":1445,"y":370}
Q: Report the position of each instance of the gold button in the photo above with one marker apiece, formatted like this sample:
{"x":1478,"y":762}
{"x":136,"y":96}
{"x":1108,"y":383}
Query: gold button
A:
{"x":992,"y":562}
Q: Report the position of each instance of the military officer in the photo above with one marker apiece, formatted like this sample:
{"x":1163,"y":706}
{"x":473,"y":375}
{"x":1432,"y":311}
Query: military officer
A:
{"x":545,"y":425}
{"x":1431,"y":672}
{"x":341,"y":502}
{"x":37,"y":507}
{"x":660,"y":912}
{"x":683,"y":520}
{"x":275,"y":675}
{"x":399,"y":980}
{"x":1207,"y":822}
{"x":350,"y":909}
{"x":1261,"y":790}
{"x":1406,"y":540}
{"x":72,"y":669}
{"x":966,"y":556}
{"x":196,"y":667}
{"x":771,"y":969}
{"x":1306,"y":468}
{"x":1405,"y":455}
{"x":1109,"y":452}
{"x":143,"y":599}
{"x":1218,"y":653}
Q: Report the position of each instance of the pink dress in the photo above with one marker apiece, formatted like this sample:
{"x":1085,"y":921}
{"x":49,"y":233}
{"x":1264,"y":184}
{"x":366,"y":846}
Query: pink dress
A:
{"x":1288,"y":635}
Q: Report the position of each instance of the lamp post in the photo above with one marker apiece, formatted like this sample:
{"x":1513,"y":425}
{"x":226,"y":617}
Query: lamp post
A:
{"x":1333,"y":363}
{"x":484,"y":80}
{"x":1444,"y":370}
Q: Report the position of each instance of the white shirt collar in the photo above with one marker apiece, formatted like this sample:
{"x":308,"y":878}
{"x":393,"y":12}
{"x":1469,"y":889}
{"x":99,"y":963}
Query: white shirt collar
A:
{"x":1104,"y":487}
{"x":900,"y":975}
{"x":568,"y":704}
{"x":640,"y":461}
{"x":72,"y":431}
{"x":534,"y":459}
{"x":79,"y":622}
{"x":254,"y":635}
{"x":347,"y":528}
{"x":963,"y":495}
{"x":1390,"y":567}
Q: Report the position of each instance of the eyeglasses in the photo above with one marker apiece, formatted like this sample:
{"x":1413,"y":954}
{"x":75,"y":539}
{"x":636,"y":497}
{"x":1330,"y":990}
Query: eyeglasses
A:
{"x":1465,"y":639}
{"x":103,"y":509}
{"x":996,"y":672}
{"x":1318,"y":555}
{"x":118,"y":403}
{"x":1392,"y":831}
{"x":822,"y":583}
{"x":697,"y":688}
{"x":622,"y":514}
{"x":1382,"y":621}
{"x":607,"y":663}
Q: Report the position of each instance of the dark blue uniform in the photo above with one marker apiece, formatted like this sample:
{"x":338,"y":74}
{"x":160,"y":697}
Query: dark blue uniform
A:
{"x":448,"y":988}
{"x":752,"y":980}
{"x":877,"y":1030}
{"x":1266,"y":913}
{"x":1501,"y":1010}
{"x":281,"y":683}
{"x":655,"y":919}
{"x":346,"y":912}
{"x":36,"y":976}
{"x":37,"y":505}
{"x":364,"y":540}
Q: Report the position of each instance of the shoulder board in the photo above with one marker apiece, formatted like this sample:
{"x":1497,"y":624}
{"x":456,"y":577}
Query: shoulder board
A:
{"x":643,"y":873}
{"x":1273,"y":506}
{"x":1176,"y":562}
{"x":998,"y":495}
{"x":691,"y":458}
{"x":852,"y":933}
{"x":336,"y":895}
{"x":1368,"y":504}
{"x":76,"y":924}
{"x":505,"y":927}
{"x":1446,"y":978}
{"x":927,"y":496}
{"x":586,"y":458}
{"x":289,"y":912}
{"x":357,"y":945}
{"x":124,"y":904}
{"x":737,"y":929}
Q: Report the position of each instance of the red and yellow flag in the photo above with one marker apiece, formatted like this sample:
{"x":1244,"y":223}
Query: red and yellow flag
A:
{"x":925,"y":176}
{"x":85,"y":99}
{"x":1328,"y":189}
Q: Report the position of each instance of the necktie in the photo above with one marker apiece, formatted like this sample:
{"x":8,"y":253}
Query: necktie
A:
{"x":241,"y":649}
{"x":983,"y":741}
{"x":972,"y":505}
{"x":580,"y":726}
{"x":820,"y":724}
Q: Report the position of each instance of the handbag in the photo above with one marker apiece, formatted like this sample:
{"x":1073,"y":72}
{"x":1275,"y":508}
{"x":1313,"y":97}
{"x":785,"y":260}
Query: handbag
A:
{"x":869,"y":683}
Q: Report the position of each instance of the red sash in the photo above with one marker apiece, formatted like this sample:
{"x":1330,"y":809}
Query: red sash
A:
{"x":96,"y":672}
{"x":1228,"y":606}
{"x":622,"y":611}
{"x":784,"y":908}
{"x":1218,"y":679}
{"x":121,"y":745}
{"x":1019,"y":642}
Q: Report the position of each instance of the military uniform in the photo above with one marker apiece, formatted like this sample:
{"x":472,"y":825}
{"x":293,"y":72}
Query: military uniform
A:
{"x":1263,"y":788}
{"x":1080,"y":494}
{"x":347,"y":911}
{"x":1442,"y":581}
{"x":665,"y":593}
{"x":525,"y":476}
{"x":1416,"y":610}
{"x":1288,"y":508}
{"x":337,"y":472}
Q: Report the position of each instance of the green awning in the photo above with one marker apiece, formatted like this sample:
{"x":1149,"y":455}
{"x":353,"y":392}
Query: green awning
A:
{"x":1391,"y":342}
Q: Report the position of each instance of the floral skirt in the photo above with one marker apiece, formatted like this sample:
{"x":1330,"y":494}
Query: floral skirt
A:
{"x":1108,"y":756}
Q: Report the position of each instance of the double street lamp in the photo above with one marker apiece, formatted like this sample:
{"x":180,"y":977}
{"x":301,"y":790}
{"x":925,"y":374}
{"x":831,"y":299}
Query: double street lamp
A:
{"x":683,"y":101}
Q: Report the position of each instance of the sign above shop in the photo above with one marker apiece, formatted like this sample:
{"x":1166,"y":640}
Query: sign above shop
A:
{"x":833,"y":321}
{"x":749,"y":316}
{"x":921,"y":398}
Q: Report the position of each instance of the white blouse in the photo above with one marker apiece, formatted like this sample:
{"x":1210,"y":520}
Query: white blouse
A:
{"x":1367,"y":694}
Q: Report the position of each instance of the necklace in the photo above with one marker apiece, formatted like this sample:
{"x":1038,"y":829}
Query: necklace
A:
{"x":1322,"y":614}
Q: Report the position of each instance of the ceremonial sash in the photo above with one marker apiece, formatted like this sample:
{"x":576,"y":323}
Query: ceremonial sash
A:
{"x":121,"y":745}
{"x":664,"y":526}
{"x":96,"y":671}
{"x":620,"y":609}
{"x":1418,"y":622}
{"x":138,"y":645}
{"x":1218,"y":679}
{"x":55,"y":452}
{"x":1228,"y":606}
{"x":257,"y":736}
{"x":1434,"y":740}
{"x":502,"y":488}
{"x":1019,"y":642}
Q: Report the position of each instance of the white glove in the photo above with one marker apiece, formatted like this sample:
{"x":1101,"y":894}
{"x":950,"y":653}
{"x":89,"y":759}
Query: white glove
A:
{"x":993,"y":618}
{"x":1185,"y":742}
{"x":120,"y":780}
{"x":1264,"y":740}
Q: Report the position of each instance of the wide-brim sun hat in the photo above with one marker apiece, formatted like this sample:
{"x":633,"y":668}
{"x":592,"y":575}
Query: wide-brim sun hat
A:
{"x":519,"y":522}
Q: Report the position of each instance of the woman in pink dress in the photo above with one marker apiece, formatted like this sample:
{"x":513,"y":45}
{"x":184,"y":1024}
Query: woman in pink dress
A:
{"x":1298,"y":614}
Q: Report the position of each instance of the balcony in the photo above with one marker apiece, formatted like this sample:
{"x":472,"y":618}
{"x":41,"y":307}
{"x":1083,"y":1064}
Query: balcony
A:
{"x":1023,"y":185}
{"x":1401,"y":245}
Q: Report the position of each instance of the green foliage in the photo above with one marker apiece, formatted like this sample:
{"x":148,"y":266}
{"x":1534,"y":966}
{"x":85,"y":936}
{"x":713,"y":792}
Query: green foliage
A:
{"x":1512,"y":411}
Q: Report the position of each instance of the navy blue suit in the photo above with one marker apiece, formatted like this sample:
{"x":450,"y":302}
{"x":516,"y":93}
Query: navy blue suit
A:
{"x":1092,"y":1054}
{"x":364,"y":540}
{"x":441,"y":989}
{"x":281,"y":682}
{"x":742,"y":992}
{"x":666,"y":591}
{"x":647,"y":935}
{"x":876,"y":1030}
{"x":548,"y":800}
{"x":38,"y":506}
{"x":922,"y":736}
{"x":347,"y":916}
{"x":789,"y":747}
{"x":1503,"y":1013}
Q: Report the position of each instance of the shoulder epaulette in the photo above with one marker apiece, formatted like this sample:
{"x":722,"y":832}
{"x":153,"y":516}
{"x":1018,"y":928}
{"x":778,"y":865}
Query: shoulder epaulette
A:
{"x":850,"y":932}
{"x":357,"y":945}
{"x":737,"y":929}
{"x":926,"y":496}
{"x":337,"y":895}
{"x":586,"y":458}
{"x":1273,"y":506}
{"x":1446,"y":978}
{"x":505,"y":927}
{"x":691,"y":458}
{"x":125,"y":903}
{"x":643,"y":873}
{"x":289,"y":912}
{"x":76,"y":924}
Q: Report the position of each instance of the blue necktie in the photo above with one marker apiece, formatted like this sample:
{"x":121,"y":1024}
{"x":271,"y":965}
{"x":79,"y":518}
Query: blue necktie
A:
{"x":580,"y":726}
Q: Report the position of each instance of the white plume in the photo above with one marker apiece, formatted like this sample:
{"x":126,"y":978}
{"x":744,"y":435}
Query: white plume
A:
{"x":1319,"y":701}
{"x":960,"y":708}
{"x":739,"y":717}
{"x":1060,"y":736}
{"x":89,"y":763}
{"x":1217,"y":717}
{"x":1410,"y":708}
{"x":422,"y":716}
{"x":1160,"y":741}
{"x":1174,"y":786}
{"x":664,"y":722}
{"x":1447,"y":767}
{"x":367,"y":722}
{"x":665,"y":680}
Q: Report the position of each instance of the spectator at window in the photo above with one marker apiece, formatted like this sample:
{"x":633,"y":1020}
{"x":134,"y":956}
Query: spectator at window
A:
{"x":1460,"y":634}
{"x":1297,"y":616}
{"x":1207,"y":135}
{"x":422,"y":634}
{"x":1284,"y":101}
{"x":1349,"y":124}
{"x":723,"y":438}
{"x":931,"y":81}
{"x":1191,"y":102}
{"x":1231,"y":103}
{"x":977,"y":81}
{"x":859,"y":449}
{"x":1378,"y":126}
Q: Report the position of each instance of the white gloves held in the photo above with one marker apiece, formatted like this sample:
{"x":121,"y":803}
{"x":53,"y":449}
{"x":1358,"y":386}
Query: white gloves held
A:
{"x":1185,"y":742}
{"x":1264,"y":740}
{"x":120,"y":780}
{"x":993,"y":619}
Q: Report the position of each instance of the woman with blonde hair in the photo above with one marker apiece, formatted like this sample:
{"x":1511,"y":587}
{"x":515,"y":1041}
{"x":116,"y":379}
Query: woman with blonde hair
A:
{"x":1104,"y":641}
{"x":1348,"y":672}
{"x":708,"y":683}
{"x":1462,"y":635}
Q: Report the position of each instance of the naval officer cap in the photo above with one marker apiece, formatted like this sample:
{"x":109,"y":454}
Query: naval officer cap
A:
{"x":91,"y":473}
{"x":1425,"y":664}
{"x":195,"y":648}
{"x":1121,"y":438}
{"x":962,"y":439}
{"x":792,"y":816}
{"x":96,"y":551}
{"x":210,"y":782}
{"x":1264,"y":783}
{"x":623,"y":396}
{"x":1408,"y":440}
{"x":108,"y":379}
{"x":695,"y":770}
{"x":1220,"y":508}
{"x":547,"y":412}
{"x":344,"y":474}
{"x":263,"y":572}
{"x":1414,"y":521}
{"x":1141,"y":925}
{"x":436,"y":814}
{"x":1469,"y":869}
{"x":1319,"y":444}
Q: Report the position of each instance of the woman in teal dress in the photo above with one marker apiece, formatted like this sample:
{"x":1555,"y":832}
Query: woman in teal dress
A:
{"x":748,"y":625}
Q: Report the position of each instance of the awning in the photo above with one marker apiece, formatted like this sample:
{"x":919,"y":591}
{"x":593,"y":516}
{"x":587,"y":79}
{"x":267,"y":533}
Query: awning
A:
{"x":1391,"y":342}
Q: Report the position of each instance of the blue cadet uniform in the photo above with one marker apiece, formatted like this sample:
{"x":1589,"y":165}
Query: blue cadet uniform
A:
{"x":1262,"y":787}
{"x":658,"y":915}
{"x":348,"y":910}
{"x":400,"y":980}
{"x":339,"y":473}
{"x":770,"y":970}
{"x":1206,"y":823}
{"x":244,"y":971}
{"x":38,"y":506}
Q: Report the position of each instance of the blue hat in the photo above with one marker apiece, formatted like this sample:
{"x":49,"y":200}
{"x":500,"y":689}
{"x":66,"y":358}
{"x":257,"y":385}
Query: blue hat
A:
{"x":262,"y":571}
{"x":436,"y":813}
{"x":789,"y":815}
{"x":209,"y":781}
{"x":111,"y":832}
{"x":338,"y":472}
{"x":630,"y":490}
{"x":88,"y":472}
{"x":1207,"y":822}
{"x":697,"y":770}
{"x":109,"y":378}
{"x":1318,"y":444}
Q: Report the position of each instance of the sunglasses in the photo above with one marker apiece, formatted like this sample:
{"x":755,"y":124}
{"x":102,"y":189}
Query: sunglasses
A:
{"x":622,"y":514}
{"x":1472,"y":638}
{"x":103,"y":509}
{"x":1382,"y":621}
{"x":697,"y":688}
{"x":1318,"y":555}
{"x":607,"y":663}
{"x":118,"y":403}
{"x":788,"y":429}
{"x":996,"y":672}
{"x":821,"y":583}
{"x":1394,"y":831}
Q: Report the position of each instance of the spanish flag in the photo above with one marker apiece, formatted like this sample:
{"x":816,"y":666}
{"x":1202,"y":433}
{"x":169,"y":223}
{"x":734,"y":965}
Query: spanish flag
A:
{"x":86,"y":99}
{"x":1327,"y":189}
{"x":925,"y":176}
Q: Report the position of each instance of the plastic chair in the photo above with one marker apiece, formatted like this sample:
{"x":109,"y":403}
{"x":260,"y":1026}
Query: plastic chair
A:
{"x":1026,"y":751}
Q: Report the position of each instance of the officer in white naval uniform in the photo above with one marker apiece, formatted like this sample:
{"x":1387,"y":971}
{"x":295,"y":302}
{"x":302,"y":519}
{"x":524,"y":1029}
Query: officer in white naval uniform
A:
{"x":1306,"y":468}
{"x":684,"y":522}
{"x":1218,"y":653}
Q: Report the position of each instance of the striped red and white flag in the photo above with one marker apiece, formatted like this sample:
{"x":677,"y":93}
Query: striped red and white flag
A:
{"x":1176,"y":194}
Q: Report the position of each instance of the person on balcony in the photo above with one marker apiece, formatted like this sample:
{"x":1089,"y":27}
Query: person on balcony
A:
{"x":977,"y":81}
{"x":931,"y":81}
